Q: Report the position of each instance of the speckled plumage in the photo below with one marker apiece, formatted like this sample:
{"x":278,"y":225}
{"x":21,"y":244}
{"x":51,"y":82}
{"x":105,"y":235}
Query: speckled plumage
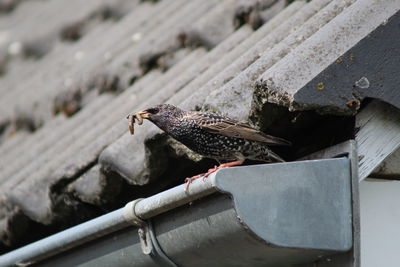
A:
{"x":214,"y":136}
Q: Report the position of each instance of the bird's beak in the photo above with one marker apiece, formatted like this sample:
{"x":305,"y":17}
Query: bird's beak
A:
{"x":141,"y":115}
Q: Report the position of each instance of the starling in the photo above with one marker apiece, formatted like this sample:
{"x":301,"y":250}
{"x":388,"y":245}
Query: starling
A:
{"x":211,"y":135}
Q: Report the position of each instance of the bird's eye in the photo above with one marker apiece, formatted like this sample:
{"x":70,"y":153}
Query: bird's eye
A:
{"x":152,"y":110}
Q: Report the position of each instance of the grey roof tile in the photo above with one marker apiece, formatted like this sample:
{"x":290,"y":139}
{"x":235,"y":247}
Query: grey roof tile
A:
{"x":231,"y":64}
{"x":95,"y":187}
{"x":71,"y":66}
{"x":65,"y":148}
{"x":89,"y":140}
{"x":284,"y":83}
{"x":118,"y":156}
{"x":43,"y":147}
{"x":78,"y":73}
{"x":45,"y":15}
{"x":156,"y":41}
{"x":13,"y":140}
{"x":67,"y":164}
{"x":23,"y":146}
{"x":211,"y":29}
{"x":240,"y":89}
{"x":120,"y":162}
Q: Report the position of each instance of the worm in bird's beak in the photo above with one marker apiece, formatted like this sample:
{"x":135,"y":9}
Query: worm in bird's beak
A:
{"x":139,"y":116}
{"x":131,"y":122}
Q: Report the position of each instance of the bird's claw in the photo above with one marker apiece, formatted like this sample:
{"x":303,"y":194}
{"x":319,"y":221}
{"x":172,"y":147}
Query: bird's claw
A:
{"x":209,"y":172}
{"x":189,"y":180}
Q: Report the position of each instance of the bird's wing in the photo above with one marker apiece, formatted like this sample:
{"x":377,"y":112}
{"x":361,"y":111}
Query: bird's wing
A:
{"x":217,"y":124}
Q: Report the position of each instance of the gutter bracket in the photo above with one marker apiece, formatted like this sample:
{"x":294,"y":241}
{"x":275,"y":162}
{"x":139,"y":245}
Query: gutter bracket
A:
{"x":147,"y":237}
{"x":129,"y":213}
{"x":145,"y":240}
{"x":150,"y":246}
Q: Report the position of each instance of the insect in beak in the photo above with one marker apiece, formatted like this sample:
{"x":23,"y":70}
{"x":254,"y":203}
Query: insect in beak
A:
{"x":139,"y":116}
{"x":131,"y":121}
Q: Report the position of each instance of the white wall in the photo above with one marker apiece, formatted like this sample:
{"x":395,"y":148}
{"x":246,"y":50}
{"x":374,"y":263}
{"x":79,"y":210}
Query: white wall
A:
{"x":380,"y":223}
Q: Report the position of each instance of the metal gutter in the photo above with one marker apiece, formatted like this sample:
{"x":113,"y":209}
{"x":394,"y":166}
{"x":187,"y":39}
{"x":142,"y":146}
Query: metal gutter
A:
{"x":65,"y":240}
{"x":278,"y":214}
{"x":349,"y":149}
{"x":174,"y":197}
{"x":132,"y":213}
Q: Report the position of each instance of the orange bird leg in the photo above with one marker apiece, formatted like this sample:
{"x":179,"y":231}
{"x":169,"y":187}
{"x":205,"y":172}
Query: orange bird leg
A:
{"x":188,"y":181}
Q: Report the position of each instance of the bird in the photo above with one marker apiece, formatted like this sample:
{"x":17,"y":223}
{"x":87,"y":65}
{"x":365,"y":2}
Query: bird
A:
{"x":212,"y":136}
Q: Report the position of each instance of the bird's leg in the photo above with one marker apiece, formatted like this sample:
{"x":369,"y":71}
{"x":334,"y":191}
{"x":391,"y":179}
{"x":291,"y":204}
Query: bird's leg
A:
{"x":223,"y":165}
{"x":188,"y":181}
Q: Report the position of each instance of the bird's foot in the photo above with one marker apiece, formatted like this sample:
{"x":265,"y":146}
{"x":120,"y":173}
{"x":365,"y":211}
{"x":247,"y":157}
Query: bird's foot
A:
{"x":210,"y":171}
{"x":188,"y":181}
{"x":221,"y":166}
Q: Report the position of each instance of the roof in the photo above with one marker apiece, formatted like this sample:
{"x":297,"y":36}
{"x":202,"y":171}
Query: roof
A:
{"x":66,"y":154}
{"x":67,"y":88}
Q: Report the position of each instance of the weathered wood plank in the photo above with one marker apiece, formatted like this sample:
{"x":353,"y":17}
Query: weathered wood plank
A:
{"x":389,"y":168}
{"x":378,"y":136}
